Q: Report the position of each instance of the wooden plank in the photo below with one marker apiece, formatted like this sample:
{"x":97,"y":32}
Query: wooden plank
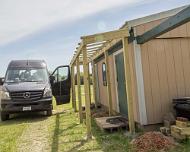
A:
{"x":79,"y":90}
{"x":94,"y":83}
{"x":147,"y":83}
{"x":188,"y":29}
{"x":96,"y":43}
{"x":170,"y":71}
{"x":103,"y":123}
{"x":133,"y":83}
{"x":94,"y":47}
{"x":104,"y":49}
{"x":93,"y":50}
{"x":73,"y":88}
{"x":154,"y":80}
{"x":105,"y":36}
{"x":90,"y":92}
{"x":87,"y":93}
{"x":186,"y":62}
{"x":108,"y":83}
{"x":163,"y":78}
{"x":128,"y":86}
{"x":178,"y":67}
{"x":79,"y":51}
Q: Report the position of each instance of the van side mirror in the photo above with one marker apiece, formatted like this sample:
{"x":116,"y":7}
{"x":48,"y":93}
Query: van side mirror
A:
{"x":2,"y":81}
{"x":51,"y":79}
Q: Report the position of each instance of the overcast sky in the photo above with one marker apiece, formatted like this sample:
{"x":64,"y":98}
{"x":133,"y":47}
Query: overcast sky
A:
{"x":51,"y":29}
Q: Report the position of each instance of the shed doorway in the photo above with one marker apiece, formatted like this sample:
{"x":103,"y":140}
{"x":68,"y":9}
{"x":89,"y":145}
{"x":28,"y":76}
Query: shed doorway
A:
{"x":120,"y":83}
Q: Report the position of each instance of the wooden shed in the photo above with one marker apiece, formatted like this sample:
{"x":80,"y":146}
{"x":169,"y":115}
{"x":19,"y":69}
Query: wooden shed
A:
{"x":144,"y":69}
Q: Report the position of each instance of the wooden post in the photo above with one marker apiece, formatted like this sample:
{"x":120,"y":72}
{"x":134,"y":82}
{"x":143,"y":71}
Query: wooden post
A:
{"x":73,"y":88}
{"x":108,"y":83}
{"x":128,"y":85}
{"x":72,"y":71}
{"x":90,"y":93}
{"x":94,"y":83}
{"x":79,"y":90}
{"x":87,"y":93}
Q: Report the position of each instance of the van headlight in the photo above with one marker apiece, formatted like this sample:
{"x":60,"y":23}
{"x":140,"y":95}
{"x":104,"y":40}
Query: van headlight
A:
{"x":5,"y":94}
{"x":47,"y":92}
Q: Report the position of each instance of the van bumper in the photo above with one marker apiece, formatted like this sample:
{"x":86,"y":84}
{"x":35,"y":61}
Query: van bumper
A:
{"x":9,"y":106}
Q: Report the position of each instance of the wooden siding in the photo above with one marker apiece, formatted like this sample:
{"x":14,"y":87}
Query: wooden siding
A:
{"x":166,"y":72}
{"x":181,"y":31}
{"x":103,"y":93}
{"x":102,"y":88}
{"x":166,"y":69}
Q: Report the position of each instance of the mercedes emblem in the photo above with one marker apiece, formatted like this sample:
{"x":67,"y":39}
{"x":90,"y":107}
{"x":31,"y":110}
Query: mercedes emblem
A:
{"x":26,"y":95}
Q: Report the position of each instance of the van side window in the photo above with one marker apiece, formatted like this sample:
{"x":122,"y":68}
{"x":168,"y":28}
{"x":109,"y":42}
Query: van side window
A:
{"x":63,"y":73}
{"x":104,"y":74}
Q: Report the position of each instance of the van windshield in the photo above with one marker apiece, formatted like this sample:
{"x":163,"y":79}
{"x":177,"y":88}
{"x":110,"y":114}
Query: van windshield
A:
{"x":26,"y":75}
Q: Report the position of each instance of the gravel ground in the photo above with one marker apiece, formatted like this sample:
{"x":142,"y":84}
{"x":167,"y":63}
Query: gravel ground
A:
{"x":35,"y":138}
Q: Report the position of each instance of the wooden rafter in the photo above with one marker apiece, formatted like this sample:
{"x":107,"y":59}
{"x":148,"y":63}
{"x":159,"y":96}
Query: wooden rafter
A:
{"x":95,"y":44}
{"x":107,"y":36}
{"x":79,"y":50}
{"x":113,"y":42}
{"x":95,"y":47}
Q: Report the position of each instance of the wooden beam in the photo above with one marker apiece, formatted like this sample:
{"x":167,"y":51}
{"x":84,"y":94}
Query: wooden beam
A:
{"x":94,"y":83}
{"x":96,"y":43}
{"x":108,"y":82}
{"x":128,"y":85}
{"x":98,"y":53}
{"x":107,"y":36}
{"x":79,"y":50}
{"x":73,"y":88}
{"x":173,"y":22}
{"x":79,"y":90}
{"x":90,"y":53}
{"x":90,"y":93}
{"x":94,"y":47}
{"x":87,"y":93}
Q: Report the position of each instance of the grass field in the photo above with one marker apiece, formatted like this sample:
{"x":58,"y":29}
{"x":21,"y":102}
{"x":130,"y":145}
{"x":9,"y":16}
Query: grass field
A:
{"x":60,"y":133}
{"x":65,"y":134}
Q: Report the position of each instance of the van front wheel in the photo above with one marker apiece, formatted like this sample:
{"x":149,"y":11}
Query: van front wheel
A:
{"x":49,"y":112}
{"x":4,"y":116}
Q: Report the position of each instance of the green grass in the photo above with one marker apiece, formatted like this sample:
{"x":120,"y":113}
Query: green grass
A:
{"x":10,"y":131}
{"x":68,"y":135}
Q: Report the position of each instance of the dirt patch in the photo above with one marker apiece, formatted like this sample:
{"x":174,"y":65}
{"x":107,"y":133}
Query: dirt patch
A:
{"x":35,"y":138}
{"x":152,"y":141}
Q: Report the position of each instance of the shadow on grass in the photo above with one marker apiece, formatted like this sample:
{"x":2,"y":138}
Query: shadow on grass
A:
{"x":67,"y":136}
{"x":58,"y":131}
{"x":27,"y":117}
{"x":111,"y":142}
{"x":55,"y":141}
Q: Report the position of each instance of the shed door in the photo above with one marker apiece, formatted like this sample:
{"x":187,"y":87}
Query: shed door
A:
{"x":122,"y":96}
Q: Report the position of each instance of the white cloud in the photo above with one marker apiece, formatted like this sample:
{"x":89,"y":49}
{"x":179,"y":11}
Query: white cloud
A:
{"x":21,"y":17}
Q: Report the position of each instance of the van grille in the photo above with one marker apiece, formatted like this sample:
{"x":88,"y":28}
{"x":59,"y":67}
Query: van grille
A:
{"x":26,"y":95}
